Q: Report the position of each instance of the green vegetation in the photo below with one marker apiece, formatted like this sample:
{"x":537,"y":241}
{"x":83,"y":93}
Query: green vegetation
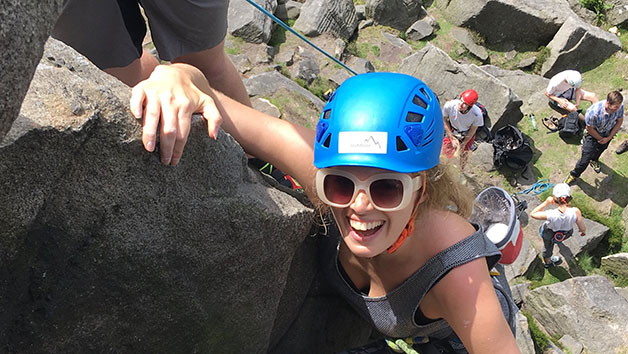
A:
{"x":541,"y":340}
{"x":362,"y":49}
{"x":278,"y":36}
{"x":541,"y":57}
{"x":600,"y":7}
{"x":318,"y":87}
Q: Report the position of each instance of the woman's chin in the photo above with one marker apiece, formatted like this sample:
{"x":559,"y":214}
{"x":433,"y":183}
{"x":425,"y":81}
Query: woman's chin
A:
{"x":365,"y":246}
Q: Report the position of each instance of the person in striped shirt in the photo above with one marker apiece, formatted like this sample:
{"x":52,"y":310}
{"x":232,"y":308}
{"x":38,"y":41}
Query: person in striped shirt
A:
{"x":603,"y":120}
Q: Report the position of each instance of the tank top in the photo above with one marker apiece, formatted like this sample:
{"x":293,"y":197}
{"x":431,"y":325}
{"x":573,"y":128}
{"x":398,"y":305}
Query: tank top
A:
{"x":395,"y":313}
{"x":557,"y":221}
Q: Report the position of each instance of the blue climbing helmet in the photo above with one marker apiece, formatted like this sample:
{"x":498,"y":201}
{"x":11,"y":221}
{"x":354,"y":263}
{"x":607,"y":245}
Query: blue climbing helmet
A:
{"x":384,"y":120}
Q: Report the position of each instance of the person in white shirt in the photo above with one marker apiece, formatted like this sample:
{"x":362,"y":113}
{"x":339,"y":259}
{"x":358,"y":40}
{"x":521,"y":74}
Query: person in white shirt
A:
{"x":462,"y":119}
{"x":563,"y":88}
{"x":559,"y":222}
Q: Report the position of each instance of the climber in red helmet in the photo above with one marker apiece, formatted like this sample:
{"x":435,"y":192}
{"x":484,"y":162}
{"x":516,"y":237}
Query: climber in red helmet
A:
{"x":462,"y":119}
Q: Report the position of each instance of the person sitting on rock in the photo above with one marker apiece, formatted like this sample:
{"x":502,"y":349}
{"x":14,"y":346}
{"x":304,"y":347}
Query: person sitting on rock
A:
{"x":559,"y":222}
{"x":394,"y":249}
{"x":564,"y":88}
{"x":462,"y":119}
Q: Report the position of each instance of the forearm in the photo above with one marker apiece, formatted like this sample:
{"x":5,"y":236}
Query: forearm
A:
{"x":537,"y":213}
{"x":470,"y":134}
{"x":616,"y":127}
{"x":287,"y":146}
{"x":593,"y":133}
{"x":448,"y":130}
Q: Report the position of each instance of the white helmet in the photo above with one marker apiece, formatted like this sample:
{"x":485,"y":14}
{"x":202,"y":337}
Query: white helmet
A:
{"x":562,"y":190}
{"x":574,"y":78}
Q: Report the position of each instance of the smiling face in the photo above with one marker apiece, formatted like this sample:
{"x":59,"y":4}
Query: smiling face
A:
{"x":366,"y":231}
{"x":463,"y":107}
{"x":612,"y":108}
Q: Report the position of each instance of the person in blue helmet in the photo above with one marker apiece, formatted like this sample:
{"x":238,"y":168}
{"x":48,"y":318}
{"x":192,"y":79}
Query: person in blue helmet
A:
{"x":401,"y":252}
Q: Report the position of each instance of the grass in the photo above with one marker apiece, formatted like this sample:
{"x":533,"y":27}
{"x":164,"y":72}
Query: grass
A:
{"x":541,"y":340}
{"x":278,"y":36}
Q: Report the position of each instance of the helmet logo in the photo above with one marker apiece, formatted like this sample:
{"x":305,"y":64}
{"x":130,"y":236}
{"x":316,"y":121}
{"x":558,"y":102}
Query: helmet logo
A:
{"x":362,"y":142}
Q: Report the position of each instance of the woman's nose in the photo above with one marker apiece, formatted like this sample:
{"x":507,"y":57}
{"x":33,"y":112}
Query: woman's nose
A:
{"x":361,"y":201}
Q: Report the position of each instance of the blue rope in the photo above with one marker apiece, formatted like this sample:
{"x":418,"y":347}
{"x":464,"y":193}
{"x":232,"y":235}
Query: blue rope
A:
{"x":282,"y":24}
{"x":537,"y":188}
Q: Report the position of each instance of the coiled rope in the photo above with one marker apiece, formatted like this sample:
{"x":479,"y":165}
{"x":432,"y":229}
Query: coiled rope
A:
{"x":537,"y":188}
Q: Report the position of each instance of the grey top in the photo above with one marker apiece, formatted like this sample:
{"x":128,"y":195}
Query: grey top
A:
{"x":395,"y":314}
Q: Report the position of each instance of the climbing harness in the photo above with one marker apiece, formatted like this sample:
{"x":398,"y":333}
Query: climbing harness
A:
{"x":282,"y":24}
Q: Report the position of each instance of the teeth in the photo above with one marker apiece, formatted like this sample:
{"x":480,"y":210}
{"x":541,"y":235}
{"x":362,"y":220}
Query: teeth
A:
{"x":363,"y":226}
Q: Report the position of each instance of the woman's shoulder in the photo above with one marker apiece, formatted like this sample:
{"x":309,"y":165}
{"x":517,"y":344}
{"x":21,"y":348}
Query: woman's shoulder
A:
{"x":440,"y":229}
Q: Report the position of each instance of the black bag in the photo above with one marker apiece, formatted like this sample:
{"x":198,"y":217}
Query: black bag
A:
{"x":569,"y":126}
{"x":483,"y":133}
{"x":511,"y":149}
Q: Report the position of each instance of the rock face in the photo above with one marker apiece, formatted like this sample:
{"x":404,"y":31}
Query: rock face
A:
{"x":618,"y":14}
{"x":105,"y":249}
{"x":586,"y":308}
{"x":338,"y":18}
{"x":24,"y":29}
{"x":521,"y":23}
{"x":399,"y":14}
{"x":525,"y":264}
{"x":464,"y":37}
{"x":579,"y":46}
{"x":523,"y":336}
{"x":248,"y":23}
{"x":616,"y":264}
{"x":528,"y":86}
{"x":448,"y":79}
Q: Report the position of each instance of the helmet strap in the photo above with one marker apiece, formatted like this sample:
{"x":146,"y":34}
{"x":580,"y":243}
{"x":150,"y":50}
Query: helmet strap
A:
{"x":409,"y":229}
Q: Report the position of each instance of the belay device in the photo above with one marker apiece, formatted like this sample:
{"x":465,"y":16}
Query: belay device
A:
{"x":497,"y":213}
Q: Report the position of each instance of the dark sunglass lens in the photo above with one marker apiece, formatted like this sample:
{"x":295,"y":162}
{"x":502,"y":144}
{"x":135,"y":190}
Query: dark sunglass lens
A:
{"x":338,"y":189}
{"x":387,"y":193}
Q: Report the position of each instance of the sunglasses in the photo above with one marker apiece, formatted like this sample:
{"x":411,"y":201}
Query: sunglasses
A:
{"x":386,"y":191}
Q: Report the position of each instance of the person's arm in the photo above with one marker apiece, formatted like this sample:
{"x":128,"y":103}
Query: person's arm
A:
{"x":174,"y":92}
{"x":448,"y":129}
{"x":466,"y":299}
{"x":578,"y":95}
{"x":593,"y":132}
{"x":562,"y":102}
{"x":580,"y":222}
{"x":616,"y":127}
{"x":470,"y":134}
{"x":538,"y":213}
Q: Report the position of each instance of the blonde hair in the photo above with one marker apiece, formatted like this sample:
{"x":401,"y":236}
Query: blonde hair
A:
{"x":445,"y":191}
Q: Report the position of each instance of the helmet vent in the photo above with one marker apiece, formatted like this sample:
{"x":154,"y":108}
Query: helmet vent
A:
{"x":327,"y":114}
{"x":327,"y":141}
{"x":414,"y":117}
{"x":401,"y":146}
{"x":419,"y":101}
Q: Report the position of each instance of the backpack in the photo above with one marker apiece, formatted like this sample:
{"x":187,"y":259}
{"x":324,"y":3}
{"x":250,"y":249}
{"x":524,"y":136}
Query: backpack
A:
{"x":483,"y":133}
{"x":569,"y":126}
{"x":511,"y":149}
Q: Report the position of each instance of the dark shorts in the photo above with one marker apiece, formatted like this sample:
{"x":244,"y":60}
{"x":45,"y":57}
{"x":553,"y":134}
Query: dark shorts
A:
{"x":551,"y":237}
{"x":110,"y":33}
{"x":569,"y":94}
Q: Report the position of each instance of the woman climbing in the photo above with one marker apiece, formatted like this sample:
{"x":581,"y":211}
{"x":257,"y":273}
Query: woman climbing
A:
{"x":397,"y":253}
{"x":559,"y":222}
